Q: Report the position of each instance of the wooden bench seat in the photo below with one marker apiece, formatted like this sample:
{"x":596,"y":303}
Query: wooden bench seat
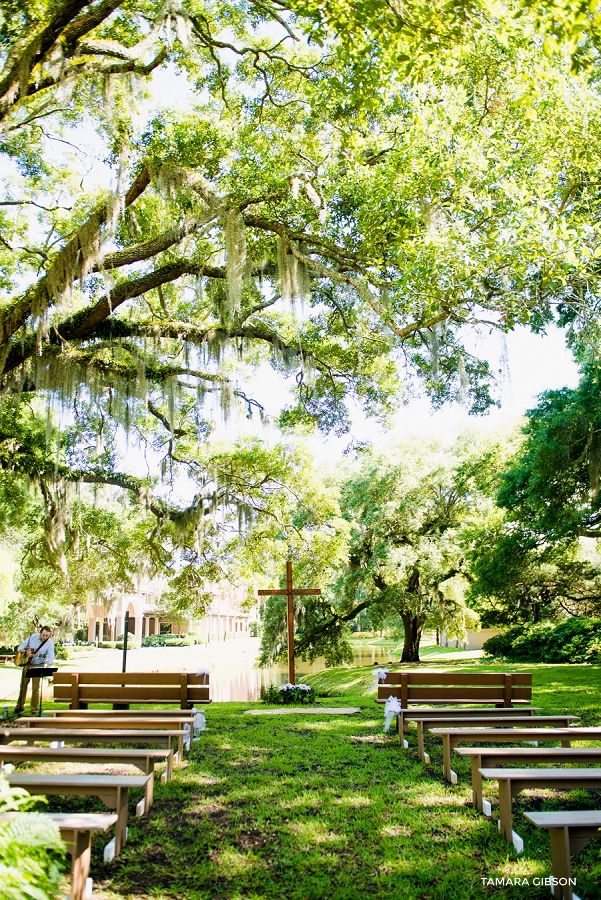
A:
{"x":483,"y":758}
{"x":443,"y":712}
{"x":142,"y":759}
{"x":120,"y":713}
{"x":112,"y":790}
{"x":452,"y":737}
{"x":570,"y":832}
{"x":444,"y":688}
{"x":513,"y":781}
{"x":426,"y":724}
{"x":76,"y":831}
{"x":82,"y":688}
{"x":107,"y":721}
{"x":172,"y":739}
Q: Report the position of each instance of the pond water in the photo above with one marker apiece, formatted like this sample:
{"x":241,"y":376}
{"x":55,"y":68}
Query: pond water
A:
{"x":245,"y":682}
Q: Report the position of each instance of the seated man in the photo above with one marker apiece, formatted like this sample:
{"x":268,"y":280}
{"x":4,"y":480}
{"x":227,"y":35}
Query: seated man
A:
{"x":40,"y":652}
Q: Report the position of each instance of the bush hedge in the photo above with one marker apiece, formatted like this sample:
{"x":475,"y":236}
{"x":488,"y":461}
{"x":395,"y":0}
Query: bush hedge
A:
{"x":169,"y":640}
{"x":118,"y":645}
{"x":574,"y":640}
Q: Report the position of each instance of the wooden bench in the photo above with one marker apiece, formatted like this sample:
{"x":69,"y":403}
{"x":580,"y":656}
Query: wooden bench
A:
{"x":570,"y":832}
{"x":426,"y":724}
{"x":513,"y":781}
{"x":444,"y":688}
{"x":76,"y":831}
{"x":172,"y":739}
{"x":92,"y":714}
{"x":443,"y":712}
{"x":482,"y":758}
{"x":452,"y":737}
{"x":6,"y":658}
{"x":112,"y":790}
{"x":81,"y":688}
{"x":142,"y":759}
{"x":108,"y":720}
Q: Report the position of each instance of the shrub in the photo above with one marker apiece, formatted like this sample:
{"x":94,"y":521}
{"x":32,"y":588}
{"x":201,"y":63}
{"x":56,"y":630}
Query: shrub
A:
{"x":118,"y":645}
{"x":288,"y":694}
{"x":80,"y":635}
{"x":270,"y":695}
{"x":62,"y":652}
{"x":31,"y":849}
{"x":574,"y":640}
{"x":297,"y":693}
{"x":169,"y":640}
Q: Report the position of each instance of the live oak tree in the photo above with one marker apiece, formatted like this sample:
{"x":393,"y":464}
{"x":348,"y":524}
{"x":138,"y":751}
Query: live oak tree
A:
{"x":538,"y":558}
{"x":291,"y":216}
{"x":78,"y":539}
{"x":410,"y":518}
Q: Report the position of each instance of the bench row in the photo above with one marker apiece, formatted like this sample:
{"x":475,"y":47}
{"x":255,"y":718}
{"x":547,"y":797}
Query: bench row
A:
{"x":171,"y":732}
{"x":569,"y":832}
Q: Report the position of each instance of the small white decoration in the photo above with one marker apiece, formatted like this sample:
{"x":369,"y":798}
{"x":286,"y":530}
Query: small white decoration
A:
{"x":391,"y":710}
{"x":381,"y":675}
{"x":200,"y":723}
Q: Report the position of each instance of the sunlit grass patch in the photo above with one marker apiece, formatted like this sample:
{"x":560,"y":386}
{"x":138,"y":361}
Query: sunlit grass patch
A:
{"x":316,"y":832}
{"x":232,"y":863}
{"x":355,"y":800}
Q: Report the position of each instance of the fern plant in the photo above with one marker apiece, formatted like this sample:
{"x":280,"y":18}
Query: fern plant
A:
{"x":31,"y":849}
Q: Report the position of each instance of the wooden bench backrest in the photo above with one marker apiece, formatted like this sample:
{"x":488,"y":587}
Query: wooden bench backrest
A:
{"x":453,"y":687}
{"x":184,"y":688}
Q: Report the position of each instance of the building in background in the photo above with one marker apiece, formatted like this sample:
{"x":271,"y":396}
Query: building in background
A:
{"x":225,"y":615}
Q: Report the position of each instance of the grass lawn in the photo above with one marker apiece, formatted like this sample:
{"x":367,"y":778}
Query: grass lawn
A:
{"x":329,"y":808}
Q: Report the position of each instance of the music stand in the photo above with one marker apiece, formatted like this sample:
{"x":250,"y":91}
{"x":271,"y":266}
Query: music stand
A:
{"x":40,"y":672}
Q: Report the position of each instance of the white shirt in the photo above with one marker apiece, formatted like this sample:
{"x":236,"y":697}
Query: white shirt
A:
{"x":46,"y":655}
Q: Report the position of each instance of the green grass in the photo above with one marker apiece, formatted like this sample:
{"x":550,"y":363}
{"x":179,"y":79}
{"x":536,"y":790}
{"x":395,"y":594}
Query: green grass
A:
{"x":329,"y":808}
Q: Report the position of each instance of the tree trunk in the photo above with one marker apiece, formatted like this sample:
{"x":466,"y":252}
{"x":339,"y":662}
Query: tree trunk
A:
{"x":413,"y":631}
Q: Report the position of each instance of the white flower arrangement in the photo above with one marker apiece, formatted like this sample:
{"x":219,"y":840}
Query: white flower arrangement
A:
{"x":289,"y":687}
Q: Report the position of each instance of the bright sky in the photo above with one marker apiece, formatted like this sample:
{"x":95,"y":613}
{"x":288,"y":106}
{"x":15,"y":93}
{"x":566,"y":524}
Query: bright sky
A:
{"x":525,"y":365}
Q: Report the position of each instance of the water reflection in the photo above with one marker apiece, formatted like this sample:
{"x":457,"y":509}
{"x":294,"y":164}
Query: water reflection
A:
{"x":239,"y":683}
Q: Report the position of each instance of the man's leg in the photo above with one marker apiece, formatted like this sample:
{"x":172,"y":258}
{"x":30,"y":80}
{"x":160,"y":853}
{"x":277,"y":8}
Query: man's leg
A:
{"x":35,"y":696}
{"x":22,"y":695}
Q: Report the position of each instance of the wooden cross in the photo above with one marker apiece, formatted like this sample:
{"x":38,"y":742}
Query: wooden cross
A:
{"x":290,"y":593}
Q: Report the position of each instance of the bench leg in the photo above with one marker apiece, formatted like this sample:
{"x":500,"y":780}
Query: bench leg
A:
{"x":561,"y":865}
{"x":505,"y":815}
{"x":80,"y":849}
{"x":449,"y":775}
{"x":121,"y":825}
{"x":421,"y":750}
{"x":477,"y":782}
{"x":402,"y":730}
{"x":150,"y":785}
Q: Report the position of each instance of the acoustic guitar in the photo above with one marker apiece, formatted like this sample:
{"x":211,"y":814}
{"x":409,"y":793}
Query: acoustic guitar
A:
{"x":21,"y":658}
